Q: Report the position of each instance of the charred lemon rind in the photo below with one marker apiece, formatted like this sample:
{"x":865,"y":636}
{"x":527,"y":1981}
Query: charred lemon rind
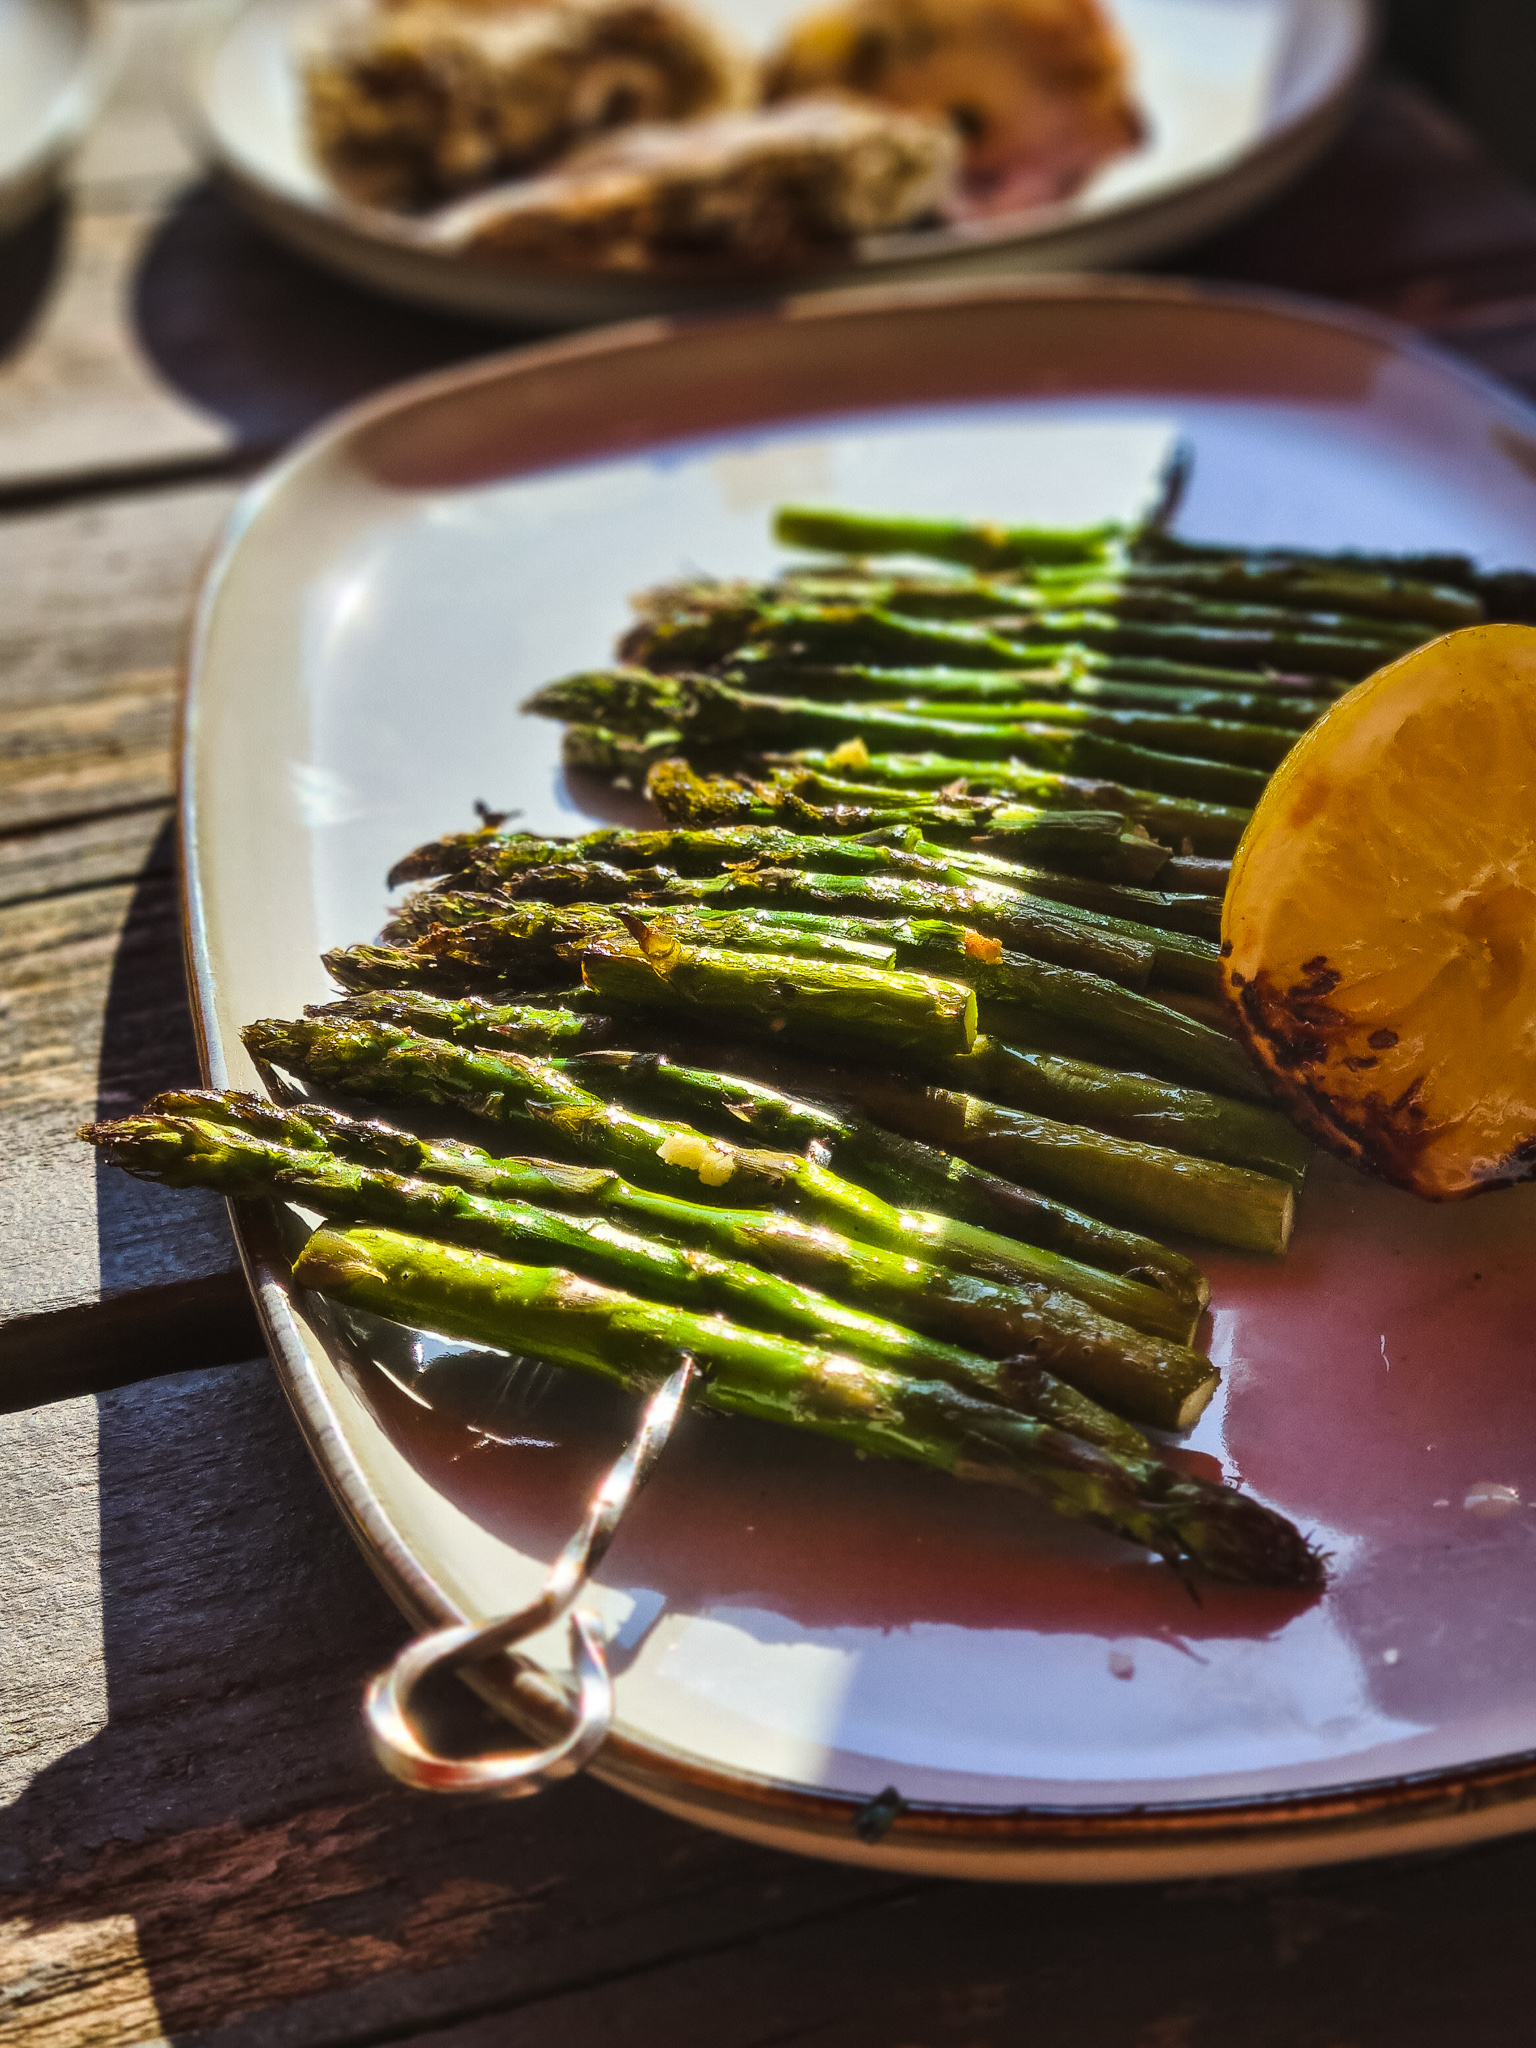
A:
{"x":1379,"y":930}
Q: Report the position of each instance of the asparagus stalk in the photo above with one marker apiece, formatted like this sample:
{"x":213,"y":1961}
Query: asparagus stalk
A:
{"x":1277,"y":580}
{"x":1274,"y":688}
{"x":1096,"y":842}
{"x":1442,"y":568}
{"x":194,"y":1152}
{"x":1153,"y":910}
{"x":1009,"y":604}
{"x":1209,"y":827}
{"x":726,"y":629}
{"x":473,"y":1020}
{"x":383,"y":1063}
{"x":1019,"y":995}
{"x":502,"y":857}
{"x":394,"y":970}
{"x":1152,"y":1379}
{"x":1113,"y":947}
{"x":1149,"y":548}
{"x":483,"y":936}
{"x":713,"y":715}
{"x":472,"y":929}
{"x":597,"y":750}
{"x":1347,"y":656}
{"x":974,"y":545}
{"x":596,"y":1329}
{"x":1209,"y":737}
{"x":904,"y":1172}
{"x":812,"y":1002}
{"x":1077,"y":1091}
{"x":1254,"y":590}
{"x":1037,"y":607}
{"x":955,"y":693}
{"x":687,"y":641}
{"x":1196,"y":875}
{"x":1144,"y":1186}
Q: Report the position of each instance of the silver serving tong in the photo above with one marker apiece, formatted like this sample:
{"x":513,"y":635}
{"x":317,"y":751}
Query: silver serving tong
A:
{"x":516,"y":1774}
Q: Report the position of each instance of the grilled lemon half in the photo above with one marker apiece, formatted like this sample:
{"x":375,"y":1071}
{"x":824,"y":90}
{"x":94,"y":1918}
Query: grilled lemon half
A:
{"x":1379,"y":931}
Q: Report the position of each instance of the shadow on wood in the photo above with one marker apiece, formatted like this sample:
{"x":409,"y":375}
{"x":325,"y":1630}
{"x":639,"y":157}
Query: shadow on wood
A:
{"x":218,"y":1859}
{"x":172,"y":1292}
{"x":169,"y":1288}
{"x":222,"y":1843}
{"x":271,"y":343}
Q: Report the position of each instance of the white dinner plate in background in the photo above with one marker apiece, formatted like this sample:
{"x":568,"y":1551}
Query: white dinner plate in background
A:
{"x":1239,"y":95}
{"x":56,"y":61}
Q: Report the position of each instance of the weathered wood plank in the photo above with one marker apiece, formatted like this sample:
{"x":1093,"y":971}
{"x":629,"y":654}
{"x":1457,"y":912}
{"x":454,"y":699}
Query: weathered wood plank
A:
{"x":136,"y":151}
{"x":85,"y":853}
{"x":112,"y":752}
{"x":198,"y":1845}
{"x":102,"y":1278}
{"x":197,"y":1831}
{"x":96,"y":593}
{"x":82,"y":397}
{"x":1407,"y":1956}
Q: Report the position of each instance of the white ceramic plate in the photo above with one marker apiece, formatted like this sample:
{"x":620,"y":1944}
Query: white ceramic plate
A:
{"x":797,"y":1630}
{"x":1239,"y":95}
{"x":56,"y":61}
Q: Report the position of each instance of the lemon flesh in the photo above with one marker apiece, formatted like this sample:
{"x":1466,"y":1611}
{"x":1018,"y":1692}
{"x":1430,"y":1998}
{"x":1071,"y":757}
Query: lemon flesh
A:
{"x":1379,"y":931}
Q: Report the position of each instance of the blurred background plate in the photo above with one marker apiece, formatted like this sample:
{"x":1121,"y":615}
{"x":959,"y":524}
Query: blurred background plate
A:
{"x":1239,"y":94}
{"x":56,"y":60}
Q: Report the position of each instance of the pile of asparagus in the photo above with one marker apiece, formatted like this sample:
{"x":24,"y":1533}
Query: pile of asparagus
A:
{"x":1139,"y":675}
{"x":871,"y":1079}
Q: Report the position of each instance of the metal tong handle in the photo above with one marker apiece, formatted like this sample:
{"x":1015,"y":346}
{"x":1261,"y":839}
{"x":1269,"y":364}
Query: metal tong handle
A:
{"x":517,"y":1774}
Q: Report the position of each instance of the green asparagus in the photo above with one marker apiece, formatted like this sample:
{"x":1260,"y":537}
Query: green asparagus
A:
{"x":714,"y":715}
{"x":384,"y":1063}
{"x":455,"y":924}
{"x":907,"y":1173}
{"x":574,"y":1322}
{"x":1155,"y":1380}
{"x":812,"y":1002}
{"x":1142,"y":1186}
{"x":1208,"y":826}
{"x":1078,"y":1091}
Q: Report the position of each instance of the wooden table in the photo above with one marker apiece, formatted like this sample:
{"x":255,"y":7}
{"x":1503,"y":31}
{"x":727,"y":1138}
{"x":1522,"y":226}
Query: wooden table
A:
{"x":198,"y":1844}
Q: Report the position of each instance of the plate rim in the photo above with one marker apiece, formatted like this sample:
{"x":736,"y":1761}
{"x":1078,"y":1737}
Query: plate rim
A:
{"x":1047,"y":1842}
{"x":26,"y":186}
{"x":1213,"y":195}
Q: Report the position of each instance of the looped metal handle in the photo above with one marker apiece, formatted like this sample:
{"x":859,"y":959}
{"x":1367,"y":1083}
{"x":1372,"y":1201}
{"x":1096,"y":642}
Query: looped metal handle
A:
{"x":516,"y":1774}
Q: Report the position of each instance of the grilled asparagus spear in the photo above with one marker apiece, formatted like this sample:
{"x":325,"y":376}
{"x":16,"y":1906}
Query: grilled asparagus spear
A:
{"x":575,"y":1322}
{"x":713,"y":715}
{"x":1153,"y":1379}
{"x":383,"y":1063}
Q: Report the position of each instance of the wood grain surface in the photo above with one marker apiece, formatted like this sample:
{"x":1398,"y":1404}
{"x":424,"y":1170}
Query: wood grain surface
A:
{"x":103,"y":1277}
{"x":199,"y":1847}
{"x":196,"y":1845}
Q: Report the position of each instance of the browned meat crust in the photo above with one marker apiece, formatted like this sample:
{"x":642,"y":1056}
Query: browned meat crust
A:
{"x":423,"y":99}
{"x":781,"y":189}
